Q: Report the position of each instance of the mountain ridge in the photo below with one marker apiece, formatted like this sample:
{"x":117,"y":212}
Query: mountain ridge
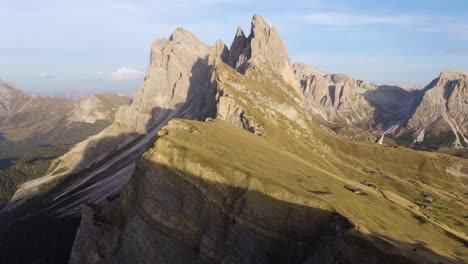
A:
{"x":260,"y":172}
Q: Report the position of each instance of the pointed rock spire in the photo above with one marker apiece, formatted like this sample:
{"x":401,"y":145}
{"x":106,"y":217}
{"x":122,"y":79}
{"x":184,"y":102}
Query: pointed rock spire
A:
{"x":218,"y":54}
{"x":178,"y":71}
{"x":182,"y":35}
{"x":263,"y":49}
{"x":239,"y":44}
{"x":259,"y":26}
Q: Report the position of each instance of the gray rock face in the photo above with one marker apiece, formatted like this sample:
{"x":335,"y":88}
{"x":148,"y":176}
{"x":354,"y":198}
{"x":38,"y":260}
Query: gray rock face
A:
{"x":263,"y":50}
{"x":337,"y":98}
{"x":437,"y":111}
{"x":11,"y":98}
{"x":393,"y":106}
{"x":443,"y":108}
{"x":236,"y":58}
{"x":178,"y":72}
{"x":218,"y":54}
{"x":177,"y":84}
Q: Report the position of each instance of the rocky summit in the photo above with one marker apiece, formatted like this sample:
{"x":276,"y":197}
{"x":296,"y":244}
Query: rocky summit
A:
{"x":233,"y":155}
{"x":11,"y":98}
{"x":434,"y":117}
{"x":443,"y":110}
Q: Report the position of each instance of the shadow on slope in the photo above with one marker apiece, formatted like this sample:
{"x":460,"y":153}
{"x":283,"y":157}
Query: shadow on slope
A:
{"x":170,"y":216}
{"x":32,"y":232}
{"x":41,"y":228}
{"x":393,"y":105}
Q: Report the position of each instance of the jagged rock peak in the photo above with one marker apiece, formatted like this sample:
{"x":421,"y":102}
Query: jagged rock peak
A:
{"x":11,"y":98}
{"x":178,"y":70}
{"x":259,"y":24}
{"x":263,"y":49}
{"x":304,"y":71}
{"x":183,"y":35}
{"x":239,"y":44}
{"x":240,"y":32}
{"x":442,"y":110}
{"x":268,"y":50}
{"x":452,"y":75}
{"x":218,"y":54}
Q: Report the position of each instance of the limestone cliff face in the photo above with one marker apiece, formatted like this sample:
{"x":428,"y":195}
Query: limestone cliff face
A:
{"x":336,"y":97}
{"x":443,"y":109}
{"x":437,"y":112}
{"x":393,"y":106}
{"x":11,"y":98}
{"x":262,"y":50}
{"x":262,"y":60}
{"x":250,"y":104}
{"x":175,"y":83}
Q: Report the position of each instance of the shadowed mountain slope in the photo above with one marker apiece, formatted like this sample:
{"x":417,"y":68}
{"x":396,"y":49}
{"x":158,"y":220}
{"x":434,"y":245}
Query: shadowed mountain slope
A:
{"x":259,"y":181}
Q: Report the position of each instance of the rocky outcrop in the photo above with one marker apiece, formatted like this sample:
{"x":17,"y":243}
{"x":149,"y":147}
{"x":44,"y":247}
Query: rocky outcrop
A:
{"x":175,"y":84}
{"x":218,"y":54}
{"x":97,"y":107}
{"x":237,"y":56}
{"x":437,"y":112}
{"x":443,"y":109}
{"x":262,"y":50}
{"x":337,"y":98}
{"x":12,"y":99}
{"x":393,"y":106}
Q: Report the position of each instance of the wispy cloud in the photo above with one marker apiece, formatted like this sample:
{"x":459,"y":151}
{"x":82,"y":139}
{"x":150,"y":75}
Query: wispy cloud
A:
{"x":421,"y":22}
{"x":357,"y":19}
{"x":126,"y":73}
{"x":462,"y":50}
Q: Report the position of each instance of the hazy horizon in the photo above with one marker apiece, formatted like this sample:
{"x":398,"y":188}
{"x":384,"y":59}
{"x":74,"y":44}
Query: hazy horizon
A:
{"x":59,"y":48}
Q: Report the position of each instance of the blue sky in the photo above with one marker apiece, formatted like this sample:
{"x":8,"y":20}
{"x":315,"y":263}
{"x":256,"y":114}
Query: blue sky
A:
{"x":67,"y":47}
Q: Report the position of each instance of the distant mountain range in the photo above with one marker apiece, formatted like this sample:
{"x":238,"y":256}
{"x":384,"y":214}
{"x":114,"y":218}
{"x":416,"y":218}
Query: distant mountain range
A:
{"x":41,"y":120}
{"x":237,"y":155}
{"x":433,"y":117}
{"x":36,"y":129}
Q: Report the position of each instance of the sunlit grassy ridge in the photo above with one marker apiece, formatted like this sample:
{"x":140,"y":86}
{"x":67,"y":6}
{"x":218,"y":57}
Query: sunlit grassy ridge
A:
{"x":307,"y":165}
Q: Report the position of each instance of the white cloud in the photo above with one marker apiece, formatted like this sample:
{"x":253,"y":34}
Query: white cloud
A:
{"x":421,"y":22}
{"x":126,"y":73}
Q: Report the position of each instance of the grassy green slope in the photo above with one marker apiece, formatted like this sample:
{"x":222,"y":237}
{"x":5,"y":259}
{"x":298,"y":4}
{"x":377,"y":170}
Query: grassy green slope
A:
{"x":314,"y":166}
{"x":307,"y":180}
